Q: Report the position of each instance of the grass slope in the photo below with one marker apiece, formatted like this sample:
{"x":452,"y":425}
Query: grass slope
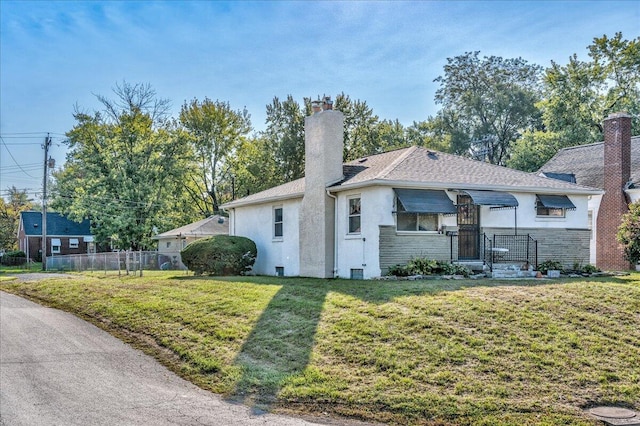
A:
{"x":411,"y":352}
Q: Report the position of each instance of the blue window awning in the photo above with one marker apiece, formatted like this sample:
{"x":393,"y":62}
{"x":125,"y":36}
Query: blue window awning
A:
{"x":492,"y":198}
{"x":425,"y":201}
{"x":555,"y":202}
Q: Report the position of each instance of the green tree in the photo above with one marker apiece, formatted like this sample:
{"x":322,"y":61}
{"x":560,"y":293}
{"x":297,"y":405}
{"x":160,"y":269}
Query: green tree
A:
{"x":18,"y":201}
{"x":629,"y":233}
{"x":581,"y":94}
{"x":124,"y":168}
{"x":360,"y":128}
{"x":533,"y":150}
{"x":284,"y":137}
{"x":253,"y":167}
{"x":214,"y":131}
{"x":488,"y":103}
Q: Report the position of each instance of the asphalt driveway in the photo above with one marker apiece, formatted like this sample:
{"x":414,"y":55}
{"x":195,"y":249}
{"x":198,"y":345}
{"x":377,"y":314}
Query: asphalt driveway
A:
{"x":56,"y":369}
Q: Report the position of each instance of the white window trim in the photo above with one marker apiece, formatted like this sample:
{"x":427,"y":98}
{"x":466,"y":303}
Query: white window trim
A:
{"x":74,"y":243}
{"x":349,"y":215}
{"x":274,"y":223}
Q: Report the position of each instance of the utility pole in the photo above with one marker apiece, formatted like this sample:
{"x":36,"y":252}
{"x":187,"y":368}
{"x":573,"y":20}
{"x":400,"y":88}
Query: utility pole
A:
{"x":47,"y":143}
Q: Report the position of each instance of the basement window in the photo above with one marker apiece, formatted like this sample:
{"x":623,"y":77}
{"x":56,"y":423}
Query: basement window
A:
{"x":279,"y":271}
{"x":357,"y":274}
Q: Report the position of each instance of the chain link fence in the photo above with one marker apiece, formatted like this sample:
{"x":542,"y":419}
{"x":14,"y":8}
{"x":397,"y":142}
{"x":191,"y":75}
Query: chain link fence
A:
{"x":128,"y":262}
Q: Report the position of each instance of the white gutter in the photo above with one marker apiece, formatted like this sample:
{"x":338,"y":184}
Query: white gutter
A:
{"x":335,"y":233}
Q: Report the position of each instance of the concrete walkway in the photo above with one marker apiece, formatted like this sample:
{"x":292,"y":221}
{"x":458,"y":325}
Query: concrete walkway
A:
{"x":56,"y":369}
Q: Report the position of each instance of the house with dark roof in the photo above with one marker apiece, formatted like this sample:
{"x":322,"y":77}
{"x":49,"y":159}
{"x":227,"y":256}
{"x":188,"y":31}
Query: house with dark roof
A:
{"x":170,"y":243}
{"x":613,"y":166}
{"x":356,"y":220}
{"x":64,"y":236}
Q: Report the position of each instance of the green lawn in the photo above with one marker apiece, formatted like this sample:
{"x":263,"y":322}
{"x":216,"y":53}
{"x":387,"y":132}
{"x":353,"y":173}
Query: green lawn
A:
{"x":409,"y":352}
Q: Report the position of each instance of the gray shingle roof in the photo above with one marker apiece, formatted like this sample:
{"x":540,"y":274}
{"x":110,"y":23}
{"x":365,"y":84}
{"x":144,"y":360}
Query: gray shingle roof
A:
{"x":57,"y":225}
{"x":205,"y":227}
{"x":420,"y":167}
{"x":586,"y":162}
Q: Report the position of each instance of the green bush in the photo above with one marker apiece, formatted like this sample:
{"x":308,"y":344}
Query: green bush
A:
{"x":549,"y":264}
{"x":424,"y":266}
{"x":220,"y":255}
{"x":590,"y":269}
{"x":399,"y":270}
{"x":629,"y":233}
{"x":13,"y":258}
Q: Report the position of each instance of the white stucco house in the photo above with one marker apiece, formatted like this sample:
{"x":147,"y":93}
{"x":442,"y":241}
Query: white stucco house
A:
{"x":357,"y":219}
{"x":170,"y":243}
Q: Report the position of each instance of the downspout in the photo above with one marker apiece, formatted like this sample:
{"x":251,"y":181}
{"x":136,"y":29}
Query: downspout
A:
{"x":335,"y":233}
{"x":233,"y":217}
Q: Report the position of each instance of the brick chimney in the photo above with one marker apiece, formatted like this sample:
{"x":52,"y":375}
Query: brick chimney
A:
{"x":323,"y":139}
{"x":617,"y":172}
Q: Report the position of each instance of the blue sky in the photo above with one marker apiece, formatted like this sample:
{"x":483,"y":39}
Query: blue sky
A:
{"x":54,"y":55}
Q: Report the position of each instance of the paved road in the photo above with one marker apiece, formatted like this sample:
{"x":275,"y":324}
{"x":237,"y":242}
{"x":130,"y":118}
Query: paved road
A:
{"x":56,"y":369}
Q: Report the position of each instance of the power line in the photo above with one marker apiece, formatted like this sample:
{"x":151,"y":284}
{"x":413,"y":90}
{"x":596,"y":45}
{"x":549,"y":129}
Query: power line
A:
{"x":14,"y":160}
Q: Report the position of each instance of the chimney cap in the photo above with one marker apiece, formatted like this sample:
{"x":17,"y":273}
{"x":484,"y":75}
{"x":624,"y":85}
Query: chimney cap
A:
{"x":615,"y":115}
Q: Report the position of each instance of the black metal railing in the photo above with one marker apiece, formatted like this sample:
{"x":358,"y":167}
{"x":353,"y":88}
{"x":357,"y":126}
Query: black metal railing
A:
{"x":515,"y":248}
{"x":501,"y":249}
{"x":487,"y":251}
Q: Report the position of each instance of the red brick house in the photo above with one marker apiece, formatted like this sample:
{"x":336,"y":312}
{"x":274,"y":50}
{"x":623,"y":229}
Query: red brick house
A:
{"x":614,"y":166}
{"x":64,"y":236}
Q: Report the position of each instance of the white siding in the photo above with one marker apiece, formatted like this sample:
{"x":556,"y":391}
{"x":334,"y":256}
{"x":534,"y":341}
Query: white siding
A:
{"x":256,"y":222}
{"x":361,"y":251}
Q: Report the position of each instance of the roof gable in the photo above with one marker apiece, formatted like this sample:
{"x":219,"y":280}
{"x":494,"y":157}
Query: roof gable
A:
{"x":586,"y":162}
{"x":213,"y":225}
{"x":57,"y":225}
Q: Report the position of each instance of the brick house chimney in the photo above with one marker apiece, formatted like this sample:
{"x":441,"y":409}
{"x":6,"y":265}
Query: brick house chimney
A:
{"x":323,"y":139}
{"x":617,"y":172}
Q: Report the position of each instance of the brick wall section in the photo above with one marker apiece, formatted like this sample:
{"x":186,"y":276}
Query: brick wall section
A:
{"x":567,"y":246}
{"x":400,"y":248}
{"x":617,"y":170}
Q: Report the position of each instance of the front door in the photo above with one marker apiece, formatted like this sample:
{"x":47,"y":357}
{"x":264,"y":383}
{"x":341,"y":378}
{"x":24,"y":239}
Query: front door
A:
{"x":468,"y":228}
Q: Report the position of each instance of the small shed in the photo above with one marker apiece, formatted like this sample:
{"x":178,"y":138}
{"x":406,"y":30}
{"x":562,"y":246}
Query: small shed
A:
{"x":170,"y":243}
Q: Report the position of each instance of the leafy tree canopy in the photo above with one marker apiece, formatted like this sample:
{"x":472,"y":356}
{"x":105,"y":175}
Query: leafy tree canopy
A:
{"x":17,"y":202}
{"x":214,"y":132}
{"x":124,"y":167}
{"x":488,"y":103}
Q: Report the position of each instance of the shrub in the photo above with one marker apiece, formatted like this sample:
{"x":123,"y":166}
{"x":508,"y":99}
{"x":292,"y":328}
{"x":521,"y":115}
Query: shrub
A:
{"x":549,"y":264}
{"x":220,"y":255}
{"x":12,"y":258}
{"x":424,"y":266}
{"x":399,"y":271}
{"x":453,"y":269}
{"x":590,"y":269}
{"x":629,"y":233}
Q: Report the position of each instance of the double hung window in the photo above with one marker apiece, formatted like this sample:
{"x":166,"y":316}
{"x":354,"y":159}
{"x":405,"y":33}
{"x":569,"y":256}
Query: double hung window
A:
{"x":277,"y":222}
{"x":354,"y":215}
